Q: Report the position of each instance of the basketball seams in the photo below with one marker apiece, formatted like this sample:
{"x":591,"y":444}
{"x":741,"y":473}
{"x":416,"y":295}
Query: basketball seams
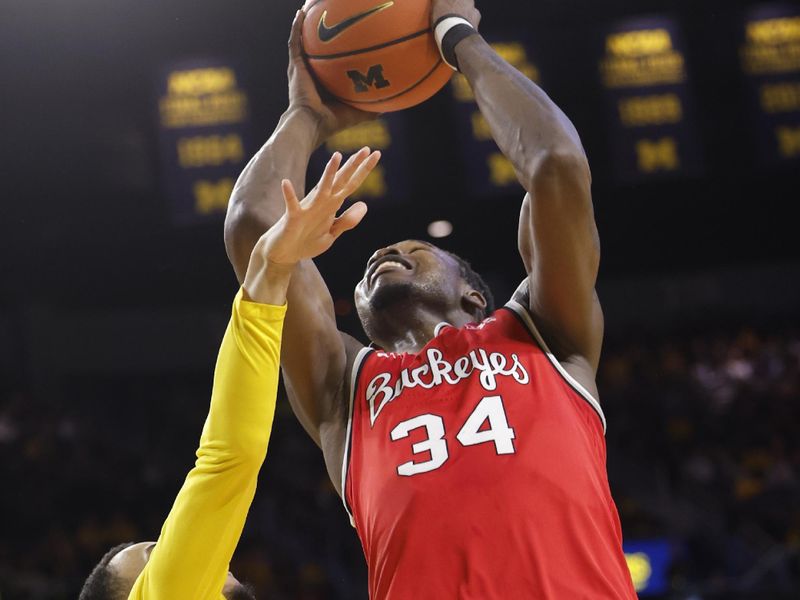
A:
{"x":400,"y":40}
{"x":389,"y":65}
{"x":403,"y":18}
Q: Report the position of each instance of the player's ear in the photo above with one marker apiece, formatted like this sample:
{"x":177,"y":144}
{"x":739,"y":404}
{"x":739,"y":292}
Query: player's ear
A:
{"x":474,"y":303}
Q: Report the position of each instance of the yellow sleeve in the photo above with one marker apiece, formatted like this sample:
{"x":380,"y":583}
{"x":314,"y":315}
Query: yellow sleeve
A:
{"x":200,"y":534}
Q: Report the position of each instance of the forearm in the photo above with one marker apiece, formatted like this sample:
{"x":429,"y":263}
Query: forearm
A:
{"x":201,"y":532}
{"x":526,"y":124}
{"x":245,"y":380}
{"x":256,"y":203}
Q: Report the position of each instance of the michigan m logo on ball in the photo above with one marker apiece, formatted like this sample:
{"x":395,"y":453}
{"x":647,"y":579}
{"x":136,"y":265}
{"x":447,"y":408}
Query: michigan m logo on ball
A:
{"x":373,"y":78}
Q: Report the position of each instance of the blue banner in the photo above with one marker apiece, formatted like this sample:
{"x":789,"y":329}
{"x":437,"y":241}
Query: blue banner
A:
{"x":204,"y":120}
{"x":649,"y":108}
{"x":770,"y":58}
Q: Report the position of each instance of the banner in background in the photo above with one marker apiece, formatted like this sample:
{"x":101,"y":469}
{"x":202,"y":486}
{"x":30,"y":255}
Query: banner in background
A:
{"x":390,"y":179}
{"x":649,"y":562}
{"x":203,"y":134}
{"x":487,"y":171}
{"x":648,"y":102}
{"x":770,"y":58}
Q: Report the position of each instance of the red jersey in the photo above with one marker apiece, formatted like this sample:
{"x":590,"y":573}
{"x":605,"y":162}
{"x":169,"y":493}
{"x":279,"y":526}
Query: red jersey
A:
{"x":476,"y":469}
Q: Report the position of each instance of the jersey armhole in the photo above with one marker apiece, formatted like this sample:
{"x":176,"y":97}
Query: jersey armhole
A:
{"x":527,"y":321}
{"x":358,"y":363}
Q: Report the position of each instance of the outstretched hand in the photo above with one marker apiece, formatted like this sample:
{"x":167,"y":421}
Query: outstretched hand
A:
{"x":309,"y":227}
{"x":332,"y":115}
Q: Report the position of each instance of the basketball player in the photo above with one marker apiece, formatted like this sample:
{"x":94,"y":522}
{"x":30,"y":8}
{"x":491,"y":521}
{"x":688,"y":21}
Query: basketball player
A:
{"x":468,"y":443}
{"x":190,"y":560}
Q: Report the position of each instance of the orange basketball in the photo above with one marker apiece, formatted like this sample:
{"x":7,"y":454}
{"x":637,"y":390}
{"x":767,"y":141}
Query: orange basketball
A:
{"x":376,"y":55}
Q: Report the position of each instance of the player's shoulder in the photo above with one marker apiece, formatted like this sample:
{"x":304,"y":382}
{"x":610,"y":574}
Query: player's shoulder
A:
{"x":352,"y":347}
{"x":522,"y":295}
{"x":507,"y":321}
{"x":515,"y":310}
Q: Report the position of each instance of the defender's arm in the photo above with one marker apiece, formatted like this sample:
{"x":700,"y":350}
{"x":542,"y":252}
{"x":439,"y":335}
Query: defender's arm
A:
{"x":558,"y":238}
{"x":203,"y":528}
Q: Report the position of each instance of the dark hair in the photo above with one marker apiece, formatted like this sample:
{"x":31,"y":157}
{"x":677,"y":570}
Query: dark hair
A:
{"x":101,"y":583}
{"x":476,"y":282}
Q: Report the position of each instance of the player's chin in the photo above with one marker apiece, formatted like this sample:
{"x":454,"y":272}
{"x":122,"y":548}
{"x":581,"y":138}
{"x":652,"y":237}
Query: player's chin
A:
{"x":393,"y":277}
{"x":388,"y":292}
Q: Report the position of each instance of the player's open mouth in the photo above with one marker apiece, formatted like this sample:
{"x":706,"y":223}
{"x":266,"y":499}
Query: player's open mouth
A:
{"x":386,"y":264}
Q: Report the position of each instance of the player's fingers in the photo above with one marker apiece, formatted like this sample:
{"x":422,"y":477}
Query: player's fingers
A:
{"x":349,"y":219}
{"x":360,"y":174}
{"x":347,"y":170}
{"x":325,"y":185}
{"x":289,"y":197}
{"x":295,"y":44}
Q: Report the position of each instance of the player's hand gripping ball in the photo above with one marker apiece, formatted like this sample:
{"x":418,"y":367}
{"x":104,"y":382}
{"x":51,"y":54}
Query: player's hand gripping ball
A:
{"x":375,"y":55}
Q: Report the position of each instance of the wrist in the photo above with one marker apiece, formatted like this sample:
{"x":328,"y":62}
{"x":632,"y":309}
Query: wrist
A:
{"x":308,"y":120}
{"x":467,"y":51}
{"x":269,"y":285}
{"x":277,"y":270}
{"x":450,"y":30}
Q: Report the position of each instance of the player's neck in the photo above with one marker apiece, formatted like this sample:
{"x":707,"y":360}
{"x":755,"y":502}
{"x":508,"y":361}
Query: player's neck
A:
{"x":412,"y":332}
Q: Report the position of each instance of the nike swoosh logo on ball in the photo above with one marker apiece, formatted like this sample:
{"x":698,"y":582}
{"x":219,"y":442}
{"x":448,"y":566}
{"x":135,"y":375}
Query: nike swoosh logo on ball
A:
{"x":327,"y":33}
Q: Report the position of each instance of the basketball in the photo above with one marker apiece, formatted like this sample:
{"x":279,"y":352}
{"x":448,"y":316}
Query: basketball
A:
{"x":376,"y":56}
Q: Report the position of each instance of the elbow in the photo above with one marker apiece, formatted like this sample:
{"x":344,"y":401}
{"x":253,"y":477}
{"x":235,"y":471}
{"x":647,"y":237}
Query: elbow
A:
{"x":235,"y":220}
{"x":244,"y":225}
{"x":239,"y":216}
{"x":235,"y":456}
{"x":235,"y":245}
{"x":561,"y":172}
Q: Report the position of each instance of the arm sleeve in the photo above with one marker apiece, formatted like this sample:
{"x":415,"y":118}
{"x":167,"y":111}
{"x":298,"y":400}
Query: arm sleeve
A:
{"x":200,"y":534}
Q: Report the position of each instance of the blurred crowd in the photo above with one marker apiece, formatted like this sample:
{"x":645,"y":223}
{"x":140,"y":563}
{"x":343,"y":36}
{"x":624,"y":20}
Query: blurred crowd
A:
{"x":103,"y":465}
{"x":703,"y":451}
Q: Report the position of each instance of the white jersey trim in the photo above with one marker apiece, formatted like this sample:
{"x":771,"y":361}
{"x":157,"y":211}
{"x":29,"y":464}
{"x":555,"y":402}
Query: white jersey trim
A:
{"x":523,"y":314}
{"x":439,"y":328}
{"x":362,"y":354}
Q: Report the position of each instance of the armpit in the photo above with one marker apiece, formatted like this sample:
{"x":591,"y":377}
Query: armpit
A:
{"x":522,"y":294}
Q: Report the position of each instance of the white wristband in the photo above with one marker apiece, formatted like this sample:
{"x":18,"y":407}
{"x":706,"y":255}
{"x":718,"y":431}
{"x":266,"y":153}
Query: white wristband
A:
{"x":441,"y":30}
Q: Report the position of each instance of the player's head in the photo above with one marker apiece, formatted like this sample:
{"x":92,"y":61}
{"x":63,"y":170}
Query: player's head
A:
{"x":115,"y":574}
{"x":408,"y":275}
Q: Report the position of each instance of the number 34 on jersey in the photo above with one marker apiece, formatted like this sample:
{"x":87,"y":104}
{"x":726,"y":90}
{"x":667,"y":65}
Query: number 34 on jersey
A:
{"x":486,"y":424}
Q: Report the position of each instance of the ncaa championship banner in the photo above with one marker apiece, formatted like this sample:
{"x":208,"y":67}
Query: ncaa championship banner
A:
{"x":204,"y":118}
{"x":390,"y":179}
{"x":770,"y":59}
{"x":649,"y":107}
{"x":487,"y":171}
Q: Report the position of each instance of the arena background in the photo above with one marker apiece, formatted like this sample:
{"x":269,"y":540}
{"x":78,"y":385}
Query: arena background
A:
{"x":123,"y":125}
